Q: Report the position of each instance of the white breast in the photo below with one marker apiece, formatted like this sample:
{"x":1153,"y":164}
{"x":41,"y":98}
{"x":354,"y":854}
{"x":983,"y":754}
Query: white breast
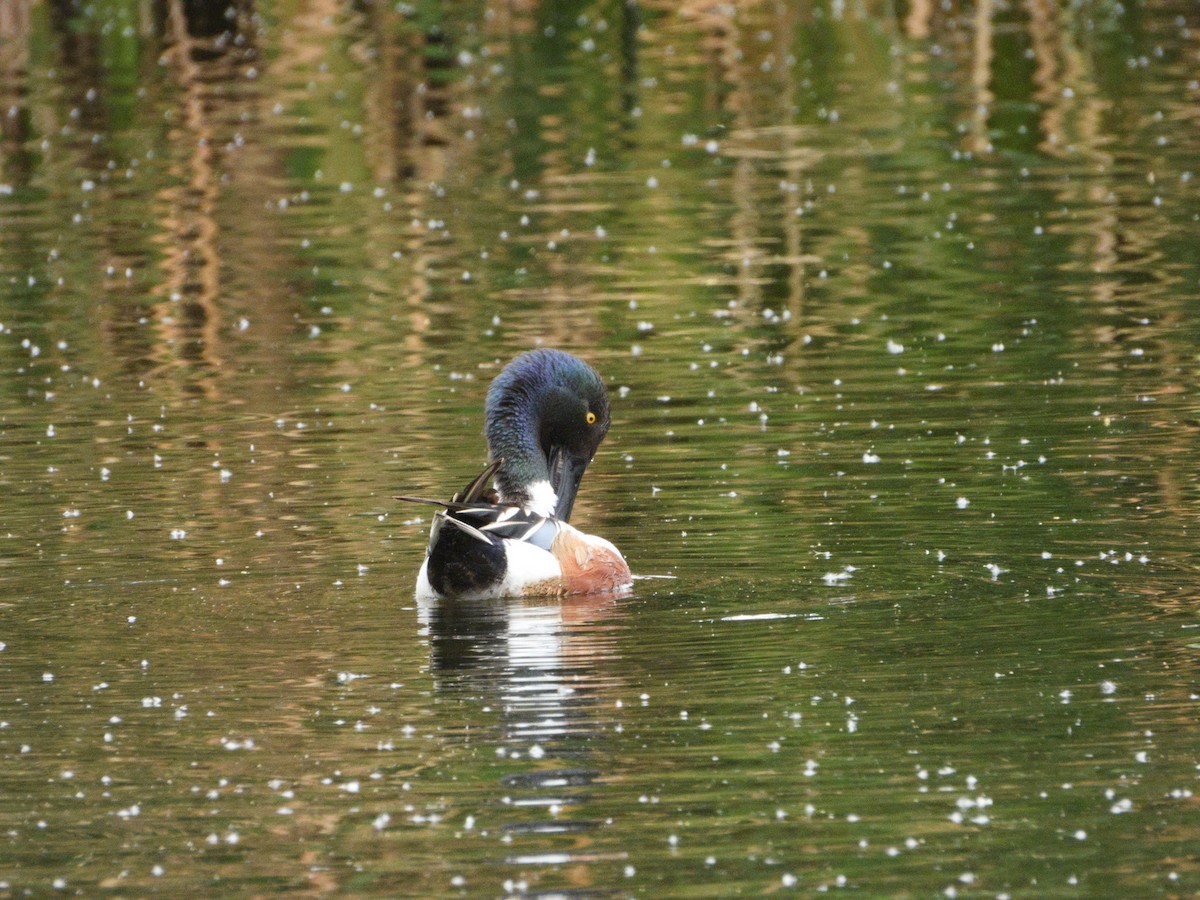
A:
{"x":527,"y":565}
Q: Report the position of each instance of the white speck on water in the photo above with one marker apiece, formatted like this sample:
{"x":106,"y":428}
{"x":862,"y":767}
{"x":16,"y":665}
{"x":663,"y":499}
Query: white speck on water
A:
{"x":788,"y":880}
{"x":536,"y":752}
{"x":870,"y":457}
{"x":47,"y":676}
{"x":178,"y":534}
{"x":381,"y":821}
{"x":962,"y":502}
{"x":838,"y":577}
{"x":894,"y":347}
{"x":1108,"y":688}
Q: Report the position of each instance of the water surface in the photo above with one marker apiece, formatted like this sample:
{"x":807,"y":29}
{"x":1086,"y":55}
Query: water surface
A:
{"x":897,"y":309}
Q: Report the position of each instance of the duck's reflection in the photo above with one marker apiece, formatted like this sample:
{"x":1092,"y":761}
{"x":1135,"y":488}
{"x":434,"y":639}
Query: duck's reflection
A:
{"x":548,"y":669}
{"x":547,"y":664}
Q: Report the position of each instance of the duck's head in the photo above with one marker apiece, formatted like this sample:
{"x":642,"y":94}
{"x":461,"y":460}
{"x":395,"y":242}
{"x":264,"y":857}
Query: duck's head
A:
{"x":547,"y":412}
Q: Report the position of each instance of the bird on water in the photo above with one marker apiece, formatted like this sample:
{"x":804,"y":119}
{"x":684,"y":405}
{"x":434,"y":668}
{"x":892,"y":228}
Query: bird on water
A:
{"x":545,"y":416}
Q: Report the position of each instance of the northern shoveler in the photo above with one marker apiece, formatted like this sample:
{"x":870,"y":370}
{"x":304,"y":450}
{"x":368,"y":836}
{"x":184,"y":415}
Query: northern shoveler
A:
{"x":546,"y":414}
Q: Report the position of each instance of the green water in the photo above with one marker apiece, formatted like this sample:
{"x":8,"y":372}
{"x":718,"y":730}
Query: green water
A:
{"x":898,"y":310}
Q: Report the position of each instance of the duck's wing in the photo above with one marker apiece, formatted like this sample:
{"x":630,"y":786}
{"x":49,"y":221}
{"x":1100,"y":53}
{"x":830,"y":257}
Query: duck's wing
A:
{"x":509,"y":523}
{"x":474,"y":510}
{"x":478,"y":491}
{"x":476,"y":495}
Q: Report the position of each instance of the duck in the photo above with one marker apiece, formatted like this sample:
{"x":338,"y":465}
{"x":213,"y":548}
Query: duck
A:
{"x":545,"y":416}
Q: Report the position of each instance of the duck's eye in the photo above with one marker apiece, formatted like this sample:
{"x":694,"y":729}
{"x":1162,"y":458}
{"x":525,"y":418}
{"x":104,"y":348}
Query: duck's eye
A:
{"x":590,"y":417}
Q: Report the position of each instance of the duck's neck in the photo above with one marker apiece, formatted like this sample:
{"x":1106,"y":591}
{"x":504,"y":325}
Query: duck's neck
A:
{"x":524,"y":478}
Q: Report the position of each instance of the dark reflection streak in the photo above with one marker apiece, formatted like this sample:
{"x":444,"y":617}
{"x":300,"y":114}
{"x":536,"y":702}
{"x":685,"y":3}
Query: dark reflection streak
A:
{"x":15,"y":128}
{"x":631,"y":23}
{"x":460,"y":632}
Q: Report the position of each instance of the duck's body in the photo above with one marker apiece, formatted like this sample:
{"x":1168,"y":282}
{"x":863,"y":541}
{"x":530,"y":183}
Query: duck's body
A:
{"x":547,"y":412}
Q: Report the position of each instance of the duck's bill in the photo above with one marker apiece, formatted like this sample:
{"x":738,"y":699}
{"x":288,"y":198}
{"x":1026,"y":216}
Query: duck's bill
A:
{"x":566,"y":471}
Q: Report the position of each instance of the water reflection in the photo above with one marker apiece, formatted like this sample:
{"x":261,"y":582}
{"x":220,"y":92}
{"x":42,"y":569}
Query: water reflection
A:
{"x":549,"y":670}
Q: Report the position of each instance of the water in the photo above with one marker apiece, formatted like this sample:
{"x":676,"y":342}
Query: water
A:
{"x":896,"y":306}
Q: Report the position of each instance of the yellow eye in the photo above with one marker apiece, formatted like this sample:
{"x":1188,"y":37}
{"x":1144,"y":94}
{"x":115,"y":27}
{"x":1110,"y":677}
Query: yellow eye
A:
{"x":591,"y":417}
